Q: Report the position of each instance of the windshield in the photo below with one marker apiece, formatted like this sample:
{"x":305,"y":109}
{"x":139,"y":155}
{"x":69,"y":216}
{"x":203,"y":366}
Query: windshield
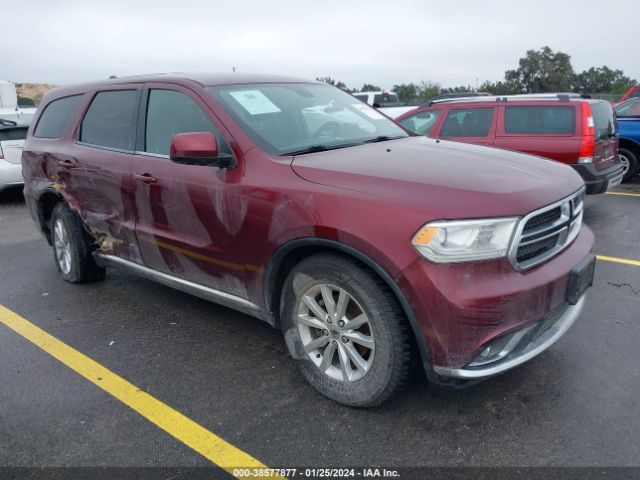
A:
{"x":296,"y":118}
{"x":631,"y":107}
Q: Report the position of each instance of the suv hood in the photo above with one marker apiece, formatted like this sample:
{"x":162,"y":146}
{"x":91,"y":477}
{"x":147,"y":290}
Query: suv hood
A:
{"x":451,"y":179}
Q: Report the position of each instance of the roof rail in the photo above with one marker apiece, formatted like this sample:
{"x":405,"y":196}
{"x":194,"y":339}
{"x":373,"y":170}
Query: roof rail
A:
{"x":562,"y":97}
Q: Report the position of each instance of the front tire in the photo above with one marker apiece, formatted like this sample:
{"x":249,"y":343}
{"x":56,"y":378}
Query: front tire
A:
{"x":72,"y":247}
{"x":345,"y":330}
{"x":629,"y":163}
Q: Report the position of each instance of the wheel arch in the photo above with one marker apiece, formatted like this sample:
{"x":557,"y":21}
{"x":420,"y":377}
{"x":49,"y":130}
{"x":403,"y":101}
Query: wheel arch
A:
{"x":288,"y":255}
{"x":46,"y":202}
{"x":632,"y":145}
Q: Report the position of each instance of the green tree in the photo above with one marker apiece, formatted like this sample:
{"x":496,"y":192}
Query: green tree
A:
{"x":602,"y":80}
{"x":336,"y":83}
{"x":26,"y":101}
{"x":542,"y":71}
{"x":406,"y":91}
{"x":368,"y":87}
{"x":498,"y":88}
{"x":428,"y":90}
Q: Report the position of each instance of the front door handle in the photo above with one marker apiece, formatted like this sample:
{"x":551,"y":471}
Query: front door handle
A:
{"x":145,"y":177}
{"x":68,"y":164}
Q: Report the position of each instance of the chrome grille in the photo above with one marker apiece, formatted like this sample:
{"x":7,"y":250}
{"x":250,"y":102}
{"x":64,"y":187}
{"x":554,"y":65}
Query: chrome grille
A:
{"x":546,"y":232}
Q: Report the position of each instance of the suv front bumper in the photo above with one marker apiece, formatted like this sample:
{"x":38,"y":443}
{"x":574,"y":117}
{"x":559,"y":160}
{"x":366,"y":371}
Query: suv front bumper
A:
{"x":599,"y":182}
{"x":522,"y":345}
{"x":463,"y":308}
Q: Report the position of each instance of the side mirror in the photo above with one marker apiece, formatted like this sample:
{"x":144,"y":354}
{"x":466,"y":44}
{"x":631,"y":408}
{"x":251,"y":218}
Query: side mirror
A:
{"x":198,"y":148}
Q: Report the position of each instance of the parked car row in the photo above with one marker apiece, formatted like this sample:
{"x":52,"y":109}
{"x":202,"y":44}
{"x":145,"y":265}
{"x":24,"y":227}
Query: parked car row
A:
{"x":577,"y":131}
{"x":298,"y":204}
{"x":628,"y":114}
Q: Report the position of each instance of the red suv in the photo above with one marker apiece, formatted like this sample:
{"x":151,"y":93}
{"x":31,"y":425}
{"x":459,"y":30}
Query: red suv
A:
{"x":298,"y":204}
{"x":564,"y":127}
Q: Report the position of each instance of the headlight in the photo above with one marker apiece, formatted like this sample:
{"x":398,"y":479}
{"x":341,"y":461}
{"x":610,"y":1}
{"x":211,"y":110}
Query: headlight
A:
{"x":465,"y":240}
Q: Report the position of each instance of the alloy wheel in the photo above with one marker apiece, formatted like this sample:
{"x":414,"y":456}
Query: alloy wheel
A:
{"x":335,"y":332}
{"x":624,"y":160}
{"x":62,"y":246}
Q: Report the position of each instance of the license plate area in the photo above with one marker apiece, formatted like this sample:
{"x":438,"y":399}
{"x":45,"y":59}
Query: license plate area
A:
{"x":580,"y":279}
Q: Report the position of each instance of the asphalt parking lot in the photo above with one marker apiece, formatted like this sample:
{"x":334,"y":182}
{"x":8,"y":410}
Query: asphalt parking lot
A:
{"x":575,"y":405}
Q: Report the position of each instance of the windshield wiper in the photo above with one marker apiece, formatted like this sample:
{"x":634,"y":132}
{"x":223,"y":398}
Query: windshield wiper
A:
{"x":382,"y":138}
{"x":317,"y":148}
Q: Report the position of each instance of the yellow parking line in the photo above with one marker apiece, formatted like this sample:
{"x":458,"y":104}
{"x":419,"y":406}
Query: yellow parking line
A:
{"x":171,"y":421}
{"x":604,"y":258}
{"x":624,"y":194}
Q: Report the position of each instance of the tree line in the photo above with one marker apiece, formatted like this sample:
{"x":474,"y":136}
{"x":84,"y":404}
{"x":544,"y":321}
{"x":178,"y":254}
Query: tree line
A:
{"x":539,"y":71}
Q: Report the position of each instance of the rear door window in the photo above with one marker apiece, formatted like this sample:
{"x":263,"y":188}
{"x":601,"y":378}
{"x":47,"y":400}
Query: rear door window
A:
{"x":56,"y":116}
{"x":467,"y":122}
{"x":421,"y":123}
{"x":170,"y":112}
{"x":110,"y":120}
{"x":540,"y":119}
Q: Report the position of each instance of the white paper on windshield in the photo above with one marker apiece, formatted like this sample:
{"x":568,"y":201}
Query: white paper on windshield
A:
{"x":368,"y":111}
{"x":254,"y":101}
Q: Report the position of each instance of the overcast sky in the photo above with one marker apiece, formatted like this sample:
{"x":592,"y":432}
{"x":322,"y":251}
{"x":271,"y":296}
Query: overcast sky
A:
{"x":452,"y":42}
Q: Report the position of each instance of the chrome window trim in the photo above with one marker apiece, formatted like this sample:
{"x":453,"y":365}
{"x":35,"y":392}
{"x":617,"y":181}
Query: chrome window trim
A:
{"x":567,"y":235}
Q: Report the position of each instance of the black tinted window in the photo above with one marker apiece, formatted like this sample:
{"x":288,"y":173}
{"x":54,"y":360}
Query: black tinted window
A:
{"x":56,"y":116}
{"x":18,"y":133}
{"x":385,"y":98}
{"x":559,"y":120}
{"x":110,"y":120}
{"x":170,"y":112}
{"x":421,"y":123}
{"x":603,"y":119}
{"x":467,"y":122}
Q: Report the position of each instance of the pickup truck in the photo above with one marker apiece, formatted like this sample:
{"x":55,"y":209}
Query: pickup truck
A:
{"x":386,"y":102}
{"x":9,"y":109}
{"x":628,"y":114}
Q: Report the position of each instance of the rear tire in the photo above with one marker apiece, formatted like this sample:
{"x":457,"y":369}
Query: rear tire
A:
{"x":72,"y":247}
{"x":361,"y":366}
{"x":629,"y":162}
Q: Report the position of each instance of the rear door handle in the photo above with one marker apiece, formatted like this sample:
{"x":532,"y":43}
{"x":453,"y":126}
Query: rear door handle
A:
{"x":145,"y":177}
{"x":68,"y":164}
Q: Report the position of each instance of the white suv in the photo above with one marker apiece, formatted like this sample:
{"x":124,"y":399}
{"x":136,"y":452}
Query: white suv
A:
{"x":12,"y":138}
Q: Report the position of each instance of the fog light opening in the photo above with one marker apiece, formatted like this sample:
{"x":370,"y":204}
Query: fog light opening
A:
{"x":499,"y":348}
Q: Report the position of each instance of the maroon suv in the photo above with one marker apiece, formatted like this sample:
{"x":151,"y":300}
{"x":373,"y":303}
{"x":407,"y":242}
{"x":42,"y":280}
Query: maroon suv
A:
{"x":302,"y":206}
{"x":580,"y":132}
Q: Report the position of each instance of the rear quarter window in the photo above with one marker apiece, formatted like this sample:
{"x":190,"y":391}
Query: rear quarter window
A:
{"x":56,"y":116}
{"x":540,"y":119}
{"x":109,"y":121}
{"x":421,"y":123}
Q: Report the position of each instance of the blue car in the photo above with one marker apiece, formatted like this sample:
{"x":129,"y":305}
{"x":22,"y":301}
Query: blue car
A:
{"x":628,"y":114}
